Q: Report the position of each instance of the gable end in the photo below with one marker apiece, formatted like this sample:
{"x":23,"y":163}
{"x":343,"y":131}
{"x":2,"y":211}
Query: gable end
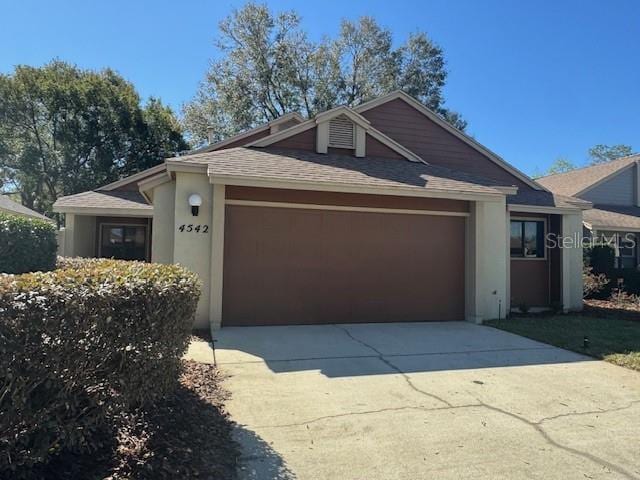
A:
{"x":413,"y":125}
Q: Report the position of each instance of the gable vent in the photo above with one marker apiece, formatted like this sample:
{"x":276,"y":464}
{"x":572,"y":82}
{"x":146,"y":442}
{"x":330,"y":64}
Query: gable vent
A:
{"x":341,"y":132}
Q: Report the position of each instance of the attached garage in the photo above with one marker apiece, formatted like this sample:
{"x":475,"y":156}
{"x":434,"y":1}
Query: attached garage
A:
{"x":291,"y":264}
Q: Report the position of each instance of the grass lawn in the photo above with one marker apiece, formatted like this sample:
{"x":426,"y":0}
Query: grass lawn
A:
{"x":611,"y":339}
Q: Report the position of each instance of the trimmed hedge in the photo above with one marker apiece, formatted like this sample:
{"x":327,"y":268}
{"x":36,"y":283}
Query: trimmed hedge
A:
{"x":81,"y":343}
{"x":26,"y":244}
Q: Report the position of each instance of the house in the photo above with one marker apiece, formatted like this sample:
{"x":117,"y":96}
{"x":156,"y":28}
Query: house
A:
{"x":9,"y":206}
{"x":614,"y":190}
{"x":382,"y":212}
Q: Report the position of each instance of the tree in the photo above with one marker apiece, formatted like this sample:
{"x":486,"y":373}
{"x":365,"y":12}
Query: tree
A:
{"x":560,"y":165}
{"x":606,"y":153}
{"x":267,"y":66}
{"x":64,"y":130}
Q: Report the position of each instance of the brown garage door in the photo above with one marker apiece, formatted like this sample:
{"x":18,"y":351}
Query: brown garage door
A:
{"x":287,"y":266}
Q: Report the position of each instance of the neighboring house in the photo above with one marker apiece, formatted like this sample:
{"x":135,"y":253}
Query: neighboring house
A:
{"x":382,"y":212}
{"x":9,"y":206}
{"x":614,"y":190}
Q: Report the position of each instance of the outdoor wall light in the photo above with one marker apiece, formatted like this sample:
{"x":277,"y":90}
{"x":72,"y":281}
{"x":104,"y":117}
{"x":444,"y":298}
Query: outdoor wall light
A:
{"x":195,"y":201}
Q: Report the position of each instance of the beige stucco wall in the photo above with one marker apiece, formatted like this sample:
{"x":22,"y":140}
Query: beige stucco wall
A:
{"x":162,"y":237}
{"x":572,"y":261}
{"x":193,"y":249}
{"x":60,"y":235}
{"x":486,"y":263}
{"x":80,"y":235}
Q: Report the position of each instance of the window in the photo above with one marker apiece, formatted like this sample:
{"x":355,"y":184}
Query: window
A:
{"x":626,"y":251}
{"x":124,"y":242}
{"x":527,"y":239}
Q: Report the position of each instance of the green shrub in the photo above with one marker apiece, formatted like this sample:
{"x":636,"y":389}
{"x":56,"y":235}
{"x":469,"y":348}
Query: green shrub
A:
{"x":627,"y":279}
{"x":26,"y":244}
{"x":81,"y":342}
{"x":602,"y":258}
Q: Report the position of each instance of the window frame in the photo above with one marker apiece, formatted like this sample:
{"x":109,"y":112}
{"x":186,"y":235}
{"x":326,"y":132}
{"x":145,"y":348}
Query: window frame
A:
{"x":544,"y":256}
{"x":618,"y":259}
{"x":147,"y":240}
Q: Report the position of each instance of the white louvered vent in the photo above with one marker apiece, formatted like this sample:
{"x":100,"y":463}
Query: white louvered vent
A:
{"x":342,"y":133}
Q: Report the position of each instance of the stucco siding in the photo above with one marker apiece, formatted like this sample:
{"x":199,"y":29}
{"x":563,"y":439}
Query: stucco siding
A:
{"x":572,"y":282}
{"x":192,"y":248}
{"x":163,"y":223}
{"x":618,"y":190}
{"x":486,"y":261}
{"x":80,"y":235}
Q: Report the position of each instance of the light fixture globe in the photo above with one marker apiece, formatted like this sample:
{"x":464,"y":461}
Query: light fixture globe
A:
{"x":195,"y":201}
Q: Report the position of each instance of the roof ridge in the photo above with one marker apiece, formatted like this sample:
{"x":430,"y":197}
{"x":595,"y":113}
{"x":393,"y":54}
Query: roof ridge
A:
{"x":586,"y":167}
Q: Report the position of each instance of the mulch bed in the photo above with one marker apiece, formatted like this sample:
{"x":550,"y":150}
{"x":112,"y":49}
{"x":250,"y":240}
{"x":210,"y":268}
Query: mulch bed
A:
{"x":185,"y":436}
{"x":201,"y":335}
{"x":608,"y":308}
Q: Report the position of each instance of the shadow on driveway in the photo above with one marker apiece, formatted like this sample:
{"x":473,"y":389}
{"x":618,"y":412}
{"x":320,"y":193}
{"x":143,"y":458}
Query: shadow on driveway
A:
{"x":260,"y":461}
{"x":418,"y":347}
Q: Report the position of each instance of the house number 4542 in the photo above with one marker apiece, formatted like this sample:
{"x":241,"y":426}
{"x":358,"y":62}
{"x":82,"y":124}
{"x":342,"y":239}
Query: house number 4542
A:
{"x":193,"y":228}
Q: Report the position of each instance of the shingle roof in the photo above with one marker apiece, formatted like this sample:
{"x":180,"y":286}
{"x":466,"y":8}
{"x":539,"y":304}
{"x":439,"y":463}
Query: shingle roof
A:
{"x":115,"y":199}
{"x":8,"y":205}
{"x":297,"y":165}
{"x":546,"y":199}
{"x":574,"y":181}
{"x":613,"y":217}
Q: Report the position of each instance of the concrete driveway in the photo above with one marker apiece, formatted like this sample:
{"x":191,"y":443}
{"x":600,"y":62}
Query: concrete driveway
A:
{"x":423,"y":401}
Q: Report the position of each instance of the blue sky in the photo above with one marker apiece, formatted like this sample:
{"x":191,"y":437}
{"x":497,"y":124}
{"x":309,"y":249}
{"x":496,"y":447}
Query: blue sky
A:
{"x":536,"y":80}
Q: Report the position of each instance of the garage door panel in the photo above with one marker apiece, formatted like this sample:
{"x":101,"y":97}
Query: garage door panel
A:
{"x":296,"y":266}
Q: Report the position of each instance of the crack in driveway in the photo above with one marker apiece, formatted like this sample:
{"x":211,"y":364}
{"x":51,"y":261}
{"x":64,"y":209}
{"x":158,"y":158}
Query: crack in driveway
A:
{"x":395,"y":368}
{"x":589,"y":412}
{"x":368,"y":412}
{"x":537,"y":426}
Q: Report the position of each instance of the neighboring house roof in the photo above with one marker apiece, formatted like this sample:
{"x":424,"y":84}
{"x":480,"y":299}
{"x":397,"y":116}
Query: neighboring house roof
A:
{"x":613,"y":217}
{"x":546,"y":199}
{"x":315,"y":169}
{"x":579,"y":180}
{"x":9,"y":206}
{"x":111,"y":202}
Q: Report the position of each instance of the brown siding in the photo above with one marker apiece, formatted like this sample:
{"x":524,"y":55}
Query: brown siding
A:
{"x":347,"y":199}
{"x":244,"y":141}
{"x":301,"y":141}
{"x":288,"y":124}
{"x":529,"y":283}
{"x":433,"y":143}
{"x":537,"y":283}
{"x":295,"y":266}
{"x":133,"y":185}
{"x":349,"y":152}
{"x":127,"y":220}
{"x":378,"y":149}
